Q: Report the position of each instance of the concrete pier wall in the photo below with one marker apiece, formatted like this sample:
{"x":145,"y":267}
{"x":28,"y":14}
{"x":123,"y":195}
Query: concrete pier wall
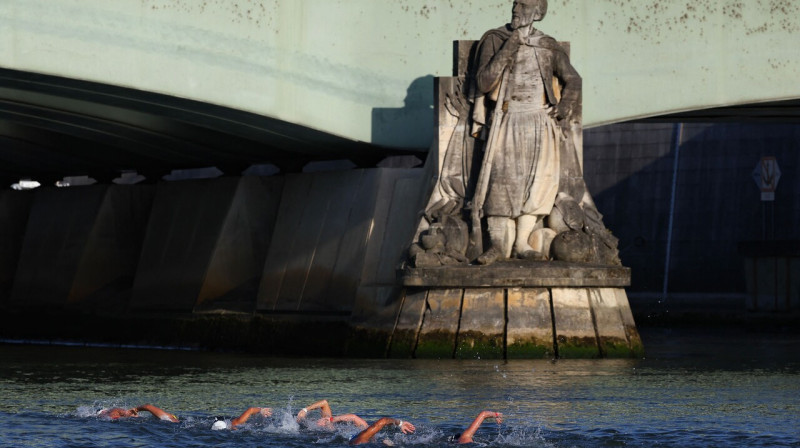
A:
{"x":341,"y":236}
{"x":58,"y":230}
{"x":106,"y":270}
{"x":14,"y":210}
{"x":234,"y":270}
{"x":324,"y":243}
{"x":186,"y":220}
{"x":81,"y":247}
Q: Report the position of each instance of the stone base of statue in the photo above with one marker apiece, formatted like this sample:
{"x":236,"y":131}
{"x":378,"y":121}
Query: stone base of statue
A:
{"x":516,"y":309}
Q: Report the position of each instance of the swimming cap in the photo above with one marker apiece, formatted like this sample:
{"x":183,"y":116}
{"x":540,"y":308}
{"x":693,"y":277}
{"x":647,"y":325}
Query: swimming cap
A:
{"x":218,"y":425}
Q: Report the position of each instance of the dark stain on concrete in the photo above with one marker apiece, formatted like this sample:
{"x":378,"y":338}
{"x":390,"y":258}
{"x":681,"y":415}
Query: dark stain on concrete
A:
{"x":652,"y":20}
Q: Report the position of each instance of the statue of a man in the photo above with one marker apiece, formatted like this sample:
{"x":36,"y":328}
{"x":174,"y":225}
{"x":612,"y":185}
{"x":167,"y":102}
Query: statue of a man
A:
{"x":525,"y":91}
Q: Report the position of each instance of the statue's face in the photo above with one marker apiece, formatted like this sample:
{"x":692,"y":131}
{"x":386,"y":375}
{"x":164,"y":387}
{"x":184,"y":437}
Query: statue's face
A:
{"x":525,"y":12}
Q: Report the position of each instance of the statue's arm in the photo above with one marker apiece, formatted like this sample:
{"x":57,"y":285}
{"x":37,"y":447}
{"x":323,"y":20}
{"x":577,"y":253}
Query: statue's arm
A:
{"x":571,"y":85}
{"x":493,"y":57}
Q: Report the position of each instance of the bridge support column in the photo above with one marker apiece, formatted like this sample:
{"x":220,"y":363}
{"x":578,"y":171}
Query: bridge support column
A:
{"x":537,"y":310}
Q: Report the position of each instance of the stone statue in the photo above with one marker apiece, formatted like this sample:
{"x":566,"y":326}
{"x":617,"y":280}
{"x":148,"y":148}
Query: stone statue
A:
{"x":518,"y":183}
{"x":513,"y":165}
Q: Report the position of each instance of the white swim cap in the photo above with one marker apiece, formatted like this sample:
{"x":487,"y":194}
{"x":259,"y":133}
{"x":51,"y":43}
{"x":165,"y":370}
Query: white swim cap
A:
{"x":218,"y":425}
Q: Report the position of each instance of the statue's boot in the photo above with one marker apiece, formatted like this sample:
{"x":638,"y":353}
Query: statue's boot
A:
{"x":500,"y":236}
{"x":532,"y":255}
{"x":525,"y":226}
{"x":490,"y":256}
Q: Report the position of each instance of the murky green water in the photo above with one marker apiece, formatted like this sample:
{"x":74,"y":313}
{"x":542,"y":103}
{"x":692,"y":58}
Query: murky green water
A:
{"x":692,"y":390}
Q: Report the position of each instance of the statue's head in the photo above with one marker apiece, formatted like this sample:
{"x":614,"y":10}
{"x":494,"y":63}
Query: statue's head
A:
{"x":525,"y":12}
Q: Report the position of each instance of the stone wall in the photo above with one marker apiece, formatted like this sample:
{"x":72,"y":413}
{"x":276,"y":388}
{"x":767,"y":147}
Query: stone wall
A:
{"x":629,"y":169}
{"x":507,"y":323}
{"x":323,"y":244}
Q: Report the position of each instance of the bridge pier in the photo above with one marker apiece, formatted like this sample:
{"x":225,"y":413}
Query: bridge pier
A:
{"x":531,"y":310}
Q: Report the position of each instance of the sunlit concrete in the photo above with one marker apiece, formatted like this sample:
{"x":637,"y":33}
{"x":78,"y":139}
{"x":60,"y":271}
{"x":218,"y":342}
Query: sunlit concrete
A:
{"x":362,"y":69}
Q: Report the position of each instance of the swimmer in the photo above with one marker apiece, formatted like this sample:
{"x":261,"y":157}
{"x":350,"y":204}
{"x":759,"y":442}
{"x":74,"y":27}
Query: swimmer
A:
{"x":117,"y":413}
{"x":327,"y":418}
{"x":366,"y":435}
{"x":240,"y":420}
{"x":466,"y":436}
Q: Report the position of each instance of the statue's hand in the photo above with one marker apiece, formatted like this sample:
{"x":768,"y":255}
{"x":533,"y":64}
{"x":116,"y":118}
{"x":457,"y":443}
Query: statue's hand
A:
{"x":520,"y":35}
{"x":561,"y":111}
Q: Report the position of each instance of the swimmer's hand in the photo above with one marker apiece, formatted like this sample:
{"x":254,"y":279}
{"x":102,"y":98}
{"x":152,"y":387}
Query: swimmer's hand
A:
{"x":406,"y":427}
{"x":266,"y":412}
{"x":498,"y":417}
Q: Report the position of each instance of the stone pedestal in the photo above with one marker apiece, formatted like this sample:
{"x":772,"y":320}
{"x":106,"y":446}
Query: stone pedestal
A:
{"x":516,"y":309}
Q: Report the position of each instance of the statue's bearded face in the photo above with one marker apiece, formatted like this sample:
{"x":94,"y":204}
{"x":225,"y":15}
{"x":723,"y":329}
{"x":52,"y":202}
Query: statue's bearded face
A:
{"x":525,"y":12}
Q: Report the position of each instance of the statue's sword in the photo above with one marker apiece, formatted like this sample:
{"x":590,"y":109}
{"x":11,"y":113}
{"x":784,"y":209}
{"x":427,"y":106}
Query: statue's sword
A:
{"x":476,"y":235}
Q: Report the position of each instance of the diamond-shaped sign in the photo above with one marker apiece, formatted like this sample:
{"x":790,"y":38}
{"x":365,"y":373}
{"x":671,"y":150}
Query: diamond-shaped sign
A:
{"x":767,"y":174}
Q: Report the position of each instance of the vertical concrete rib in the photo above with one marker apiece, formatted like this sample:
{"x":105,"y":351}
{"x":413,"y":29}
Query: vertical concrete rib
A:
{"x":438,"y":335}
{"x":409,"y":323}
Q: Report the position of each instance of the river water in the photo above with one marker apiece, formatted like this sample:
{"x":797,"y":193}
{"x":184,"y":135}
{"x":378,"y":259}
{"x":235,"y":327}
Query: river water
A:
{"x":694,"y":389}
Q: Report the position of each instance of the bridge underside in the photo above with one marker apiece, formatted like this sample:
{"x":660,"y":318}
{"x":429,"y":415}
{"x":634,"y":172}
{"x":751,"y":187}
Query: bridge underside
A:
{"x":52,"y":127}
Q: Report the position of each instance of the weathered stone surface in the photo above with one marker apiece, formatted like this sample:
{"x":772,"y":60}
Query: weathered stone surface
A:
{"x":185,"y":222}
{"x":529,"y":332}
{"x":105,"y":274}
{"x":575,"y":331}
{"x":406,"y":332}
{"x":635,"y":341}
{"x":518,"y":274}
{"x":518,"y":91}
{"x":315,"y":216}
{"x":573,"y":246}
{"x":437,"y":337}
{"x":611,"y":333}
{"x":372,"y":334}
{"x":234,"y":270}
{"x":482,"y":328}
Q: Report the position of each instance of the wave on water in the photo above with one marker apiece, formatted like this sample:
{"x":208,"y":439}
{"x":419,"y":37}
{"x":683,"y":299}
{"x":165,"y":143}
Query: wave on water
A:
{"x":523,"y":436}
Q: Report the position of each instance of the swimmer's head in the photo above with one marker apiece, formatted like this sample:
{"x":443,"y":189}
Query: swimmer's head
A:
{"x":115,"y":413}
{"x":218,"y":425}
{"x":325,"y":422}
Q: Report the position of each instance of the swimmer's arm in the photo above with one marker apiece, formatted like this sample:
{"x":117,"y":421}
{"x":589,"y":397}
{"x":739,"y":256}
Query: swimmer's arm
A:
{"x":322,"y":405}
{"x":367,"y":434}
{"x":466,"y":436}
{"x":266,"y":412}
{"x":350,"y":418}
{"x":160,"y":413}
